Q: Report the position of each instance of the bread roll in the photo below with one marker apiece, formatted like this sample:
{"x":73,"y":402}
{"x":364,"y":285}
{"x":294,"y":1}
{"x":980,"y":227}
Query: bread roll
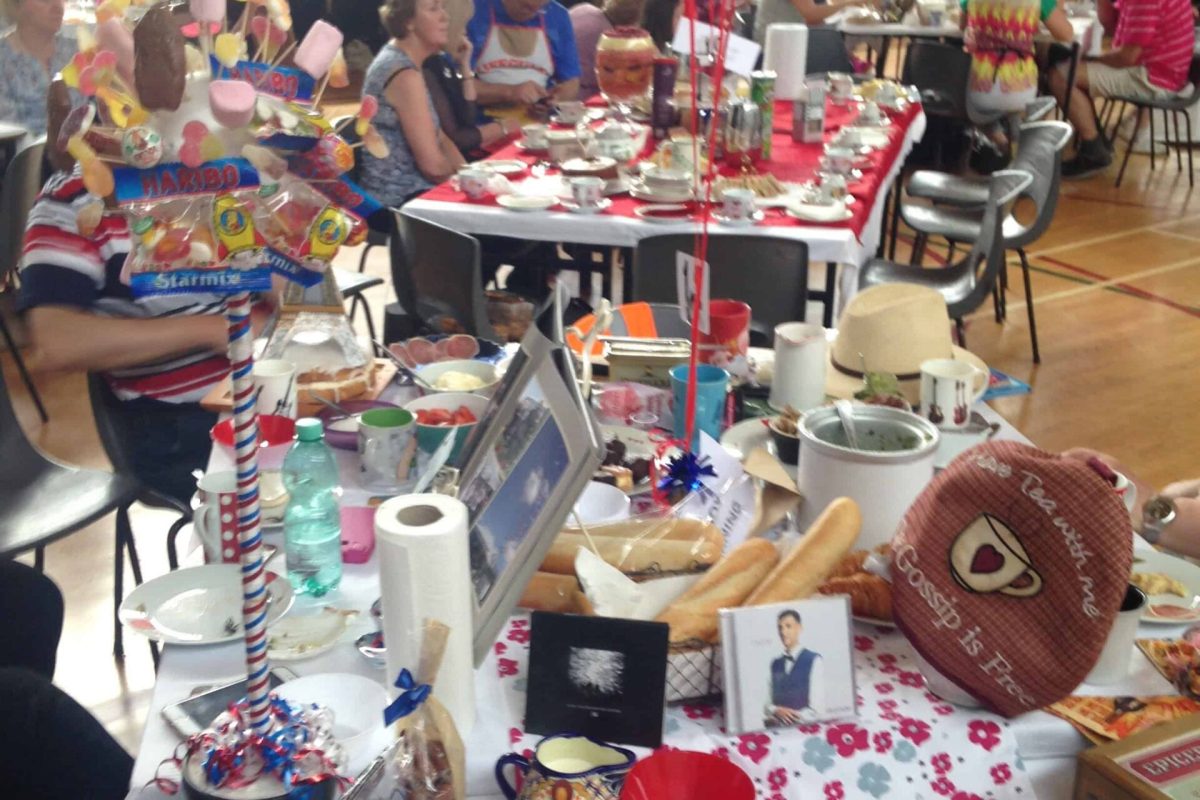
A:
{"x":636,"y":555}
{"x":851,"y":564}
{"x":809,"y":563}
{"x":549,"y":592}
{"x":694,"y":614}
{"x":870,"y":595}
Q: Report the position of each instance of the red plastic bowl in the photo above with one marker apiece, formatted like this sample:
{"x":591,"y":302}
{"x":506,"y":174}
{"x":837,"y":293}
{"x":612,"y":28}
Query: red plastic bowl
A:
{"x":685,"y":773}
{"x":273,"y":431}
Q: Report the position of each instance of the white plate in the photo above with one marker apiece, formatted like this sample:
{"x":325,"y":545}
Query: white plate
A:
{"x":504,"y":166}
{"x":743,"y":222}
{"x":870,"y":136}
{"x":300,"y":636}
{"x":600,"y":504}
{"x":639,"y":191}
{"x":525,"y":148}
{"x":198,"y":605}
{"x":575,"y":208}
{"x":1181,"y":570}
{"x":747,"y":435}
{"x":799,"y":213}
{"x":647,"y":213}
{"x":517,"y":202}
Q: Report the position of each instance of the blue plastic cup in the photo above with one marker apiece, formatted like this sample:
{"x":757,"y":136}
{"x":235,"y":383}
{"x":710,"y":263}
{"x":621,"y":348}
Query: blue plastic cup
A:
{"x":712,"y":384}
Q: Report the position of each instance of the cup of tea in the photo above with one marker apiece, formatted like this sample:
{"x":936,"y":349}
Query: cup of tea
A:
{"x":832,"y":187}
{"x":473,"y":182}
{"x":886,"y":95}
{"x":587,"y":190}
{"x":841,"y":86}
{"x":534,"y":136}
{"x":737,"y":204}
{"x":570,"y":111}
{"x":870,"y":112}
{"x":839,"y":159}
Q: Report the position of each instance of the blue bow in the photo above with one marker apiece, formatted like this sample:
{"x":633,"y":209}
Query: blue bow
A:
{"x":411,"y":697}
{"x":685,"y":471}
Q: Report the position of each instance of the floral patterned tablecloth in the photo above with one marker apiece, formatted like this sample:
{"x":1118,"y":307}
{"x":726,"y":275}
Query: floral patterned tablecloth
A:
{"x":904,"y":743}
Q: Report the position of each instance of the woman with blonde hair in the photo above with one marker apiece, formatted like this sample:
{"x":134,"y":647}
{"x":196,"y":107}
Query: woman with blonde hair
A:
{"x":421,"y":154}
{"x":31,"y":53}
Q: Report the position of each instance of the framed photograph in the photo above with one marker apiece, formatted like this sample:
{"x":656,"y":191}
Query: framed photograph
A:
{"x":598,"y":676}
{"x":521,"y":472}
{"x":787,"y":663}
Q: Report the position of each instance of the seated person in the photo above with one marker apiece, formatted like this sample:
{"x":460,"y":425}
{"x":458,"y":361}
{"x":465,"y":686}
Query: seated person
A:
{"x":525,"y":56}
{"x":31,"y":53}
{"x":659,"y":19}
{"x":808,"y":12}
{"x":1182,"y":533}
{"x":999,"y":36}
{"x":1150,"y":56}
{"x":590,"y":22}
{"x":451,"y":84}
{"x":160,"y":355}
{"x":50,"y":747}
{"x":421,"y":154}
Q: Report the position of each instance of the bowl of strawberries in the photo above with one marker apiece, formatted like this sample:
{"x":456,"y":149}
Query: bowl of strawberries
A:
{"x":445,"y":414}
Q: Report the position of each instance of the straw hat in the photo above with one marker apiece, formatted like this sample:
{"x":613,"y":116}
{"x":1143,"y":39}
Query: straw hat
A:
{"x":892,"y":328}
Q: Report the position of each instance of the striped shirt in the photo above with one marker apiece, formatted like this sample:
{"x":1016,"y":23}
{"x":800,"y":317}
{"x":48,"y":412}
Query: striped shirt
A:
{"x":1165,"y":31}
{"x":61,"y":267}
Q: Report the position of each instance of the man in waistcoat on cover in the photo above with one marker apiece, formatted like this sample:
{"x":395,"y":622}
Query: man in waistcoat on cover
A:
{"x":797,"y":677}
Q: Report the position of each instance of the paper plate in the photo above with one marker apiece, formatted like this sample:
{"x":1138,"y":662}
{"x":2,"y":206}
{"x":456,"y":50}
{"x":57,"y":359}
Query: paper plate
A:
{"x":297,"y":637}
{"x":747,"y":435}
{"x":1170,"y":609}
{"x":504,"y":166}
{"x":665,"y":214}
{"x":198,"y":605}
{"x":516,"y":202}
{"x":809,"y":213}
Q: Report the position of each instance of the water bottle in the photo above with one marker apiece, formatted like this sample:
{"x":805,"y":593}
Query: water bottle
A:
{"x":312,"y":522}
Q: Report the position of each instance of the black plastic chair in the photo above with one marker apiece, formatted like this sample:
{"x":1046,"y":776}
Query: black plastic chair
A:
{"x":1039,"y":153}
{"x":827,"y":51}
{"x":22,"y":182}
{"x":352,"y":288}
{"x":1176,"y":107}
{"x":43,"y":500}
{"x":770,"y":274}
{"x":437,"y":273}
{"x":965,"y":285}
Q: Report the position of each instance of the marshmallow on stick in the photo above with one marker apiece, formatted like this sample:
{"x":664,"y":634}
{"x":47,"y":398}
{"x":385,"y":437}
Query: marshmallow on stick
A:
{"x":319,"y":49}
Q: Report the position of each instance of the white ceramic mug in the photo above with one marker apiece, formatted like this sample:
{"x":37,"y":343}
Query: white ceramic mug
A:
{"x":841,"y":86}
{"x":886,"y":94}
{"x":215,"y":520}
{"x":1113,"y":664}
{"x":737,"y":204}
{"x":838,"y":159}
{"x":534,"y":136}
{"x":276,"y":382}
{"x":799,"y":379}
{"x":832,"y":188}
{"x":948,"y":390}
{"x":570,"y":111}
{"x":587,"y":190}
{"x":684,"y":152}
{"x":474,"y":182}
{"x":387,"y":450}
{"x":870,"y":112}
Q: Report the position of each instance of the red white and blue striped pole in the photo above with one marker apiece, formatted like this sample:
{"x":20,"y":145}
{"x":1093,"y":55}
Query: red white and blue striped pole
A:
{"x":254,"y":589}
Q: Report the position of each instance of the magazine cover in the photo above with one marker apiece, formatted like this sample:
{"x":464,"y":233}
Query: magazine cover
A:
{"x":787,"y":663}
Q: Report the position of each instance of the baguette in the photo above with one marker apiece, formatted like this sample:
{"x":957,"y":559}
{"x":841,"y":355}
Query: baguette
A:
{"x":650,"y":530}
{"x":693,"y":615}
{"x":636,"y":555}
{"x":549,"y":592}
{"x":816,"y":555}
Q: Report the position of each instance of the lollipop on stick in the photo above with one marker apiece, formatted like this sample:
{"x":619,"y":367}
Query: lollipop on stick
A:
{"x":207,"y":12}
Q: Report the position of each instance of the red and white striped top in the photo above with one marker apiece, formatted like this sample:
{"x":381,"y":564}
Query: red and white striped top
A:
{"x":1165,"y":31}
{"x":61,"y":267}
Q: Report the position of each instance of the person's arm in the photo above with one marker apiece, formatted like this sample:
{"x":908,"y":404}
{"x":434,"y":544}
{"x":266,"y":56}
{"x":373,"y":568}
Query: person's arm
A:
{"x":568,"y":90}
{"x":1059,"y":25}
{"x":475,"y":136}
{"x":406,"y":92}
{"x":818,"y":700}
{"x":502,"y":94}
{"x":451,"y":152}
{"x":1106,"y":12}
{"x":70,"y":339}
{"x":815,"y":14}
{"x":1127,"y":55}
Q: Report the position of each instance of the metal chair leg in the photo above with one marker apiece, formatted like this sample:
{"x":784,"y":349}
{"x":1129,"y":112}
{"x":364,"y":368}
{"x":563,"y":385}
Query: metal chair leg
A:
{"x":172,"y":547}
{"x":1037,"y":355}
{"x":357,"y":300}
{"x":830,"y":294}
{"x":25,"y":376}
{"x":1175,"y":133}
{"x":917,"y":257}
{"x":119,"y":585}
{"x":39,"y":558}
{"x":1137,"y":128}
{"x":1187,"y":121}
{"x":961,"y":330}
{"x":1153,"y":142}
{"x":135,"y":563}
{"x":996,"y":301}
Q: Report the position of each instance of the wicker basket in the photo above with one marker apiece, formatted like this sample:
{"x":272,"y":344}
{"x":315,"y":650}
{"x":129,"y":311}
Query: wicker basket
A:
{"x":693,"y":672}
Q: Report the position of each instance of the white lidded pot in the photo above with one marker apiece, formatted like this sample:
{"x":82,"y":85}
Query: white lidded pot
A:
{"x":884,"y":478}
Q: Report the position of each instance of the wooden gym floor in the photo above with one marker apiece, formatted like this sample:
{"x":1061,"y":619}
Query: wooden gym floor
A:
{"x":1117,"y":288}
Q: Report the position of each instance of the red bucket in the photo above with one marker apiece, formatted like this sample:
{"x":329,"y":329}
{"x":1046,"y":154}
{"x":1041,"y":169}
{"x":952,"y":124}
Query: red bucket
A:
{"x":729,"y":333}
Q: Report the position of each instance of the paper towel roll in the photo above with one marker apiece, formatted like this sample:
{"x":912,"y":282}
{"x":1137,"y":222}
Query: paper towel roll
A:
{"x":424,"y":573}
{"x":786,"y":53}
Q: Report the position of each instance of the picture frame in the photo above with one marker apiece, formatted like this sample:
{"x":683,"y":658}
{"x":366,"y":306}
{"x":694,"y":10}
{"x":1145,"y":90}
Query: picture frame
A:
{"x":602,"y":677}
{"x":521,"y":472}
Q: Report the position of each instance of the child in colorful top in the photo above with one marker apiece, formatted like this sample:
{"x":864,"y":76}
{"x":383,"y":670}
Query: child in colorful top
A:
{"x":999,"y":36}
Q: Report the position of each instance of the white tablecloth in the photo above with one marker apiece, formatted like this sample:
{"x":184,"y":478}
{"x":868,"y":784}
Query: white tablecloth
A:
{"x":1046,"y":744}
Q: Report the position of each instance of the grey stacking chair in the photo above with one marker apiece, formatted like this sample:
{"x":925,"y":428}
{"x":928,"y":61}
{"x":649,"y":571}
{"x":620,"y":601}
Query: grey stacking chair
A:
{"x":22,"y":182}
{"x":437,"y":273}
{"x":1039,"y":153}
{"x":966,"y":284}
{"x":768,"y":273}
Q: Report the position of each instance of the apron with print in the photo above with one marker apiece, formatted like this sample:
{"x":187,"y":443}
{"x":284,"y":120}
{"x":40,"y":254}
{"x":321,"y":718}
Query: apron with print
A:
{"x":512,"y":55}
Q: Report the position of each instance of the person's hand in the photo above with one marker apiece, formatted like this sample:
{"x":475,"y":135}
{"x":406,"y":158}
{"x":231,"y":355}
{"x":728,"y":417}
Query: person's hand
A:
{"x":527,"y":93}
{"x":787,"y":716}
{"x":1144,"y":490}
{"x":462,"y":53}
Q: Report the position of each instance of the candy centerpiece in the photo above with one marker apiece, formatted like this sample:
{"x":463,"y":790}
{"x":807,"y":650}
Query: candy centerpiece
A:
{"x":625,"y":66}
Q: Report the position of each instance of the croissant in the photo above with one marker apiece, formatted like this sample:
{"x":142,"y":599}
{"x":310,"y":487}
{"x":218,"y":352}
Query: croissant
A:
{"x":851,"y":564}
{"x":870,"y":595}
